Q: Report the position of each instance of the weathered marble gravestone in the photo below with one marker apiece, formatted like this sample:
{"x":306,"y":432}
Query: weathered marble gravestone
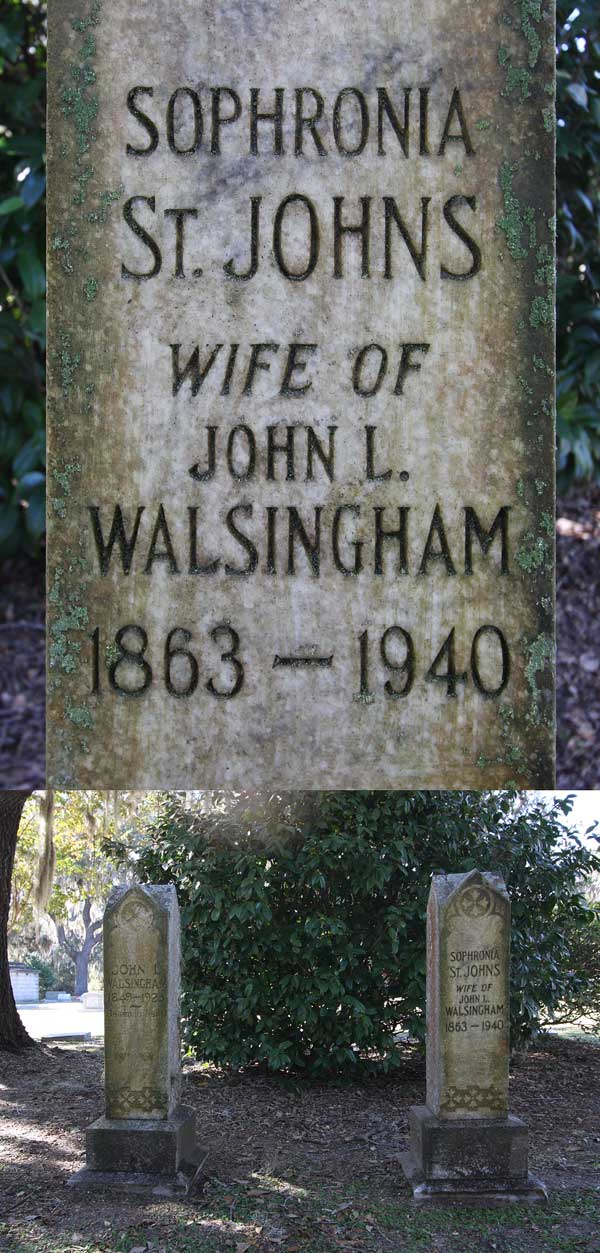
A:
{"x":146,"y":1139}
{"x":465,"y":1146}
{"x":301,"y":387}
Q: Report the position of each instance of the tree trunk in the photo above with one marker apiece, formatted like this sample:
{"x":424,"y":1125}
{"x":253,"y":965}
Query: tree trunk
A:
{"x":82,"y":962}
{"x":13,"y":1035}
{"x":81,"y":972}
{"x":80,"y":956}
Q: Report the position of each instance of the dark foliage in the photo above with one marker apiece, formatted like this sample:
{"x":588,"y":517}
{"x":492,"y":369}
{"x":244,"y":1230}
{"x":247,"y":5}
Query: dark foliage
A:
{"x":304,"y":933}
{"x":22,"y":276}
{"x":578,"y":215}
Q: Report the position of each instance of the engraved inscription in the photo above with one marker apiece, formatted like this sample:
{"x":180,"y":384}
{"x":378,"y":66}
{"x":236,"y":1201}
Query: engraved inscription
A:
{"x":476,"y":990}
{"x":300,"y":395}
{"x":133,"y":989}
{"x":136,"y":999}
{"x":468,"y":1009}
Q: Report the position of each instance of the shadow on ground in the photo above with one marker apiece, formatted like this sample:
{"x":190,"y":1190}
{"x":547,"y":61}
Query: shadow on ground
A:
{"x":293,"y":1167}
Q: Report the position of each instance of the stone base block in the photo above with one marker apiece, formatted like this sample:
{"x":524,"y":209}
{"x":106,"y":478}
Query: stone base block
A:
{"x":144,"y":1155}
{"x":481,"y":1161}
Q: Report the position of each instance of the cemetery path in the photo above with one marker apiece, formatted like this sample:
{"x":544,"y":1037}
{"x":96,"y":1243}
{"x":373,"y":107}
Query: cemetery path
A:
{"x":293,"y":1167}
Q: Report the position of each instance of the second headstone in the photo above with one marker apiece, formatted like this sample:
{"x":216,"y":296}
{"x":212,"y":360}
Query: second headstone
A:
{"x":465,"y":1146}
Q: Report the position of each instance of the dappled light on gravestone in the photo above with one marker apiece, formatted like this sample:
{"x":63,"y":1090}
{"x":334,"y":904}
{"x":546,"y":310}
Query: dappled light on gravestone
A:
{"x":301,"y":381}
{"x":465,"y":1146}
{"x":146,"y":1140}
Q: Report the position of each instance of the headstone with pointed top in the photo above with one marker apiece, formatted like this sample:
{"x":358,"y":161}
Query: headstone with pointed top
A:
{"x":465,"y":1145}
{"x":146,"y":1139}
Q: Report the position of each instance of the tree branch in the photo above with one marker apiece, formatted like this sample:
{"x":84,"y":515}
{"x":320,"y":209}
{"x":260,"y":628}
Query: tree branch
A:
{"x":62,"y":939}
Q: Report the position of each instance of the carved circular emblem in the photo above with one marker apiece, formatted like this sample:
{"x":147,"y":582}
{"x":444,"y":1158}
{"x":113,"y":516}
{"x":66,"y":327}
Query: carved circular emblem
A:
{"x":475,"y":902}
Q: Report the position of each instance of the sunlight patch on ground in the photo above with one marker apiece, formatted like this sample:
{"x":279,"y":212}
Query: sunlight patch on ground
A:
{"x":51,"y":1018}
{"x":281,"y":1186}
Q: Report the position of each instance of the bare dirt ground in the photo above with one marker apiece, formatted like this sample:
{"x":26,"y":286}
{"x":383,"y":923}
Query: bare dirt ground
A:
{"x":292,"y":1167}
{"x":578,"y":677}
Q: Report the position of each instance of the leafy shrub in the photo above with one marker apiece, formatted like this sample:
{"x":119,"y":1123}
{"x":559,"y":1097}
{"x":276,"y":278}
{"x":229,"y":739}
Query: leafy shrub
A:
{"x":583,"y":1006}
{"x":46,"y":973}
{"x":578,"y":218}
{"x":22,"y":276}
{"x":304,"y":949}
{"x":64,"y":971}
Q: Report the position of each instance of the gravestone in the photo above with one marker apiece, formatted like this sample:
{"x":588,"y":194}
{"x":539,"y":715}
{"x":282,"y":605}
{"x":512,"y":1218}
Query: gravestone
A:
{"x":301,"y":388}
{"x":465,"y":1145}
{"x":146,"y":1138}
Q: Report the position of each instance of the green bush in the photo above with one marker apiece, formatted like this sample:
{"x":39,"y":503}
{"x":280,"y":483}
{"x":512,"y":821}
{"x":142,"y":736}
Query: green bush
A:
{"x":304,"y":944}
{"x":46,"y":973}
{"x":583,"y":1007}
{"x":578,"y":218}
{"x":22,"y":276}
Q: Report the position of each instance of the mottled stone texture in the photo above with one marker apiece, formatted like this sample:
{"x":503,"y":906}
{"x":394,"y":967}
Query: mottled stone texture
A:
{"x":153,"y":1147}
{"x":146,"y":1142}
{"x":478,"y":1151}
{"x":464,"y":1144}
{"x":300,"y":396}
{"x":141,"y":1001}
{"x":468,"y":1018}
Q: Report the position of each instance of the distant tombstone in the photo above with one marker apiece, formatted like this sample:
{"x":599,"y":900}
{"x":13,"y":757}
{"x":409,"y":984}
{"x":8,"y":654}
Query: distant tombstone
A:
{"x":465,"y":1146}
{"x":301,"y":306}
{"x":25,"y":982}
{"x":146,"y":1138}
{"x":92,"y":1000}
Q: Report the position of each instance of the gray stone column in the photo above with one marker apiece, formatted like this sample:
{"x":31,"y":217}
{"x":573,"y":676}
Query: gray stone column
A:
{"x":146,"y":1139}
{"x":465,"y":1146}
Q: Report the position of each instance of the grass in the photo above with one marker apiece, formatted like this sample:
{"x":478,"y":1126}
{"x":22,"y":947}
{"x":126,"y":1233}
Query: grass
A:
{"x":274,"y":1215}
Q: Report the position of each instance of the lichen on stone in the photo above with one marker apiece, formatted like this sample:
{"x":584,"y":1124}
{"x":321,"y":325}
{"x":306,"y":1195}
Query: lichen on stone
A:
{"x":68,"y":361}
{"x":533,"y":552}
{"x":80,"y":715}
{"x":531,"y":9}
{"x":541,"y":312}
{"x":517,"y":219}
{"x":63,"y":478}
{"x":540,"y":652}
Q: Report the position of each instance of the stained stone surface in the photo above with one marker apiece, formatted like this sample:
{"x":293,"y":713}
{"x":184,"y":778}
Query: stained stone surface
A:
{"x":146,"y":1141}
{"x":141,"y":1003}
{"x":465,"y":1147}
{"x":153,"y":1152}
{"x":493,"y":1150}
{"x":300,"y":402}
{"x":468,"y":1019}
